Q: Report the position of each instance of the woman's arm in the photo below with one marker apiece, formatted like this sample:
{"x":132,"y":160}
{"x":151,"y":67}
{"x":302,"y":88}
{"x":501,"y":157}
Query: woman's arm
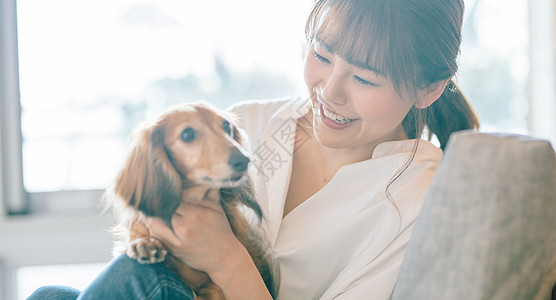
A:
{"x":241,"y":280}
{"x":204,"y":240}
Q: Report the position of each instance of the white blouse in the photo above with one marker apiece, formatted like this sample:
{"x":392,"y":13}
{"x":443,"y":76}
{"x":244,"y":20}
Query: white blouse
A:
{"x":348,"y":240}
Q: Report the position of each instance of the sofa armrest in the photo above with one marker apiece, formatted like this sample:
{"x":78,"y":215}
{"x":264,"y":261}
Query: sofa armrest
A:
{"x":487,"y":229}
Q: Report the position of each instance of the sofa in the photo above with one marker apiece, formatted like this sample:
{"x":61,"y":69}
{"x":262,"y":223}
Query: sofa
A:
{"x":487,"y":229}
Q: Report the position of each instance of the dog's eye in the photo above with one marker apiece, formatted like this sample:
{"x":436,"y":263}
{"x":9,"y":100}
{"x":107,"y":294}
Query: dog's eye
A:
{"x":188,"y":135}
{"x":227,"y":127}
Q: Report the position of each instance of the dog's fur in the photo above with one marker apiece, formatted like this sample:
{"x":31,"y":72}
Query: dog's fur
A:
{"x":191,"y":153}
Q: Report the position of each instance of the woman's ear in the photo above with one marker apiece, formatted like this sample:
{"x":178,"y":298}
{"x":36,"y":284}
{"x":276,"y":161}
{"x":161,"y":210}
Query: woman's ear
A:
{"x":431,"y":93}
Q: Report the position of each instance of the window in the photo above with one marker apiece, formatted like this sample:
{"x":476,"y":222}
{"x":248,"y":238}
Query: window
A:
{"x":90,"y":73}
{"x":507,"y":65}
{"x":494,"y":63}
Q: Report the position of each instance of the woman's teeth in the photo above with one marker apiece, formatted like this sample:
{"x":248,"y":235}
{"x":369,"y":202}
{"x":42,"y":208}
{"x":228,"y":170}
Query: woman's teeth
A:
{"x":335,"y":117}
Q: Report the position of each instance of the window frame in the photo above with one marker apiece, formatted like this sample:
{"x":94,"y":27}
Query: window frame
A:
{"x":38,"y":228}
{"x":11,"y":176}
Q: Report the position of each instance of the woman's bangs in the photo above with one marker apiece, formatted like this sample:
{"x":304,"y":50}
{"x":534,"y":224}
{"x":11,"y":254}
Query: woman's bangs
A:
{"x":344,"y":36}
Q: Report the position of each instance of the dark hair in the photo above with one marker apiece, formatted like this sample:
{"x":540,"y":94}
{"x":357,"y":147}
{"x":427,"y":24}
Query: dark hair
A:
{"x":414,"y":43}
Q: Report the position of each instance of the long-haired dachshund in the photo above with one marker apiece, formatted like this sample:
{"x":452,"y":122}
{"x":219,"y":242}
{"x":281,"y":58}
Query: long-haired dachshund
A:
{"x":192,"y":153}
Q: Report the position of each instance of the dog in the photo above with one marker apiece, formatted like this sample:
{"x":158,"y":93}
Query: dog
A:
{"x":192,"y":153}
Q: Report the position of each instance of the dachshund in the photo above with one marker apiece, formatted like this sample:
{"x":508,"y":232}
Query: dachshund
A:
{"x":192,"y":153}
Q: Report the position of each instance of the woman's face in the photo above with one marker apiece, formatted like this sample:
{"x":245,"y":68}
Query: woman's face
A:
{"x":353,"y":107}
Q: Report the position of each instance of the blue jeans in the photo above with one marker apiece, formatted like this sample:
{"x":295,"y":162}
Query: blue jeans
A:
{"x":124,"y":278}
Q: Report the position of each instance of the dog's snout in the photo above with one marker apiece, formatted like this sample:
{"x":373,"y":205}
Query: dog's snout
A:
{"x":238,"y":161}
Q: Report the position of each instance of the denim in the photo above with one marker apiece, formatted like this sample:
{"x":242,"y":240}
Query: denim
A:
{"x":124,"y":278}
{"x":55,"y":292}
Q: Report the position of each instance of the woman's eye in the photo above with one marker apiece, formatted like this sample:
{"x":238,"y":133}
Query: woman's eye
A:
{"x":320,"y":57}
{"x":188,"y":135}
{"x":227,"y":127}
{"x":363,"y":81}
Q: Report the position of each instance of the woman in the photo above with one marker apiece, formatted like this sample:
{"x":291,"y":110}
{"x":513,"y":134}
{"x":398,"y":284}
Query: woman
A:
{"x":341,"y":178}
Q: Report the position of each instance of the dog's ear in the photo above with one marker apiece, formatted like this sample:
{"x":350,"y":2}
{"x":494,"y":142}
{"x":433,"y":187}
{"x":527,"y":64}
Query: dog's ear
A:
{"x":148,"y":180}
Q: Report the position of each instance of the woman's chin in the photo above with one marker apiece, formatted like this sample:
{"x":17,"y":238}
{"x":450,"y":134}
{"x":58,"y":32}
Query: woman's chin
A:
{"x":329,"y":139}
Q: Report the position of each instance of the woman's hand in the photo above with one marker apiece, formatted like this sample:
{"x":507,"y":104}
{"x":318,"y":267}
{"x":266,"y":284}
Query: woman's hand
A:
{"x":204,"y":240}
{"x":202,"y":235}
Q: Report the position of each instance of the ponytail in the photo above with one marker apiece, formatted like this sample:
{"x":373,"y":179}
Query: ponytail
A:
{"x":451,"y":112}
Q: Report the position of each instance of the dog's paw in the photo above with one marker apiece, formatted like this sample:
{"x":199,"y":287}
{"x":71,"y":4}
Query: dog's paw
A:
{"x":146,"y":250}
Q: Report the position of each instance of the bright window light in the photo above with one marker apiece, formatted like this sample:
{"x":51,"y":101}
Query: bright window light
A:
{"x":91,"y":70}
{"x":78,"y":276}
{"x":494,"y":63}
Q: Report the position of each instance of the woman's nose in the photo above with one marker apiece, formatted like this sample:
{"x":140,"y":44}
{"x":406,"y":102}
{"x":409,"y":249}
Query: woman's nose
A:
{"x":333,"y":90}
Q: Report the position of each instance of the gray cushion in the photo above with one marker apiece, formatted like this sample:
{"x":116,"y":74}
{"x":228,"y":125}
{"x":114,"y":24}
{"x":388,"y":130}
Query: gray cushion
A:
{"x":487,"y":229}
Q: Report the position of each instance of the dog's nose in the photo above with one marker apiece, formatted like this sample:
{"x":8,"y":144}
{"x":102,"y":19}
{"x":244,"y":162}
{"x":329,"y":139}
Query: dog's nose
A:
{"x":238,"y":161}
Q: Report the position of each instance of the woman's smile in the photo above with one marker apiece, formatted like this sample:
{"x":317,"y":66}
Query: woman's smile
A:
{"x":334,"y":120}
